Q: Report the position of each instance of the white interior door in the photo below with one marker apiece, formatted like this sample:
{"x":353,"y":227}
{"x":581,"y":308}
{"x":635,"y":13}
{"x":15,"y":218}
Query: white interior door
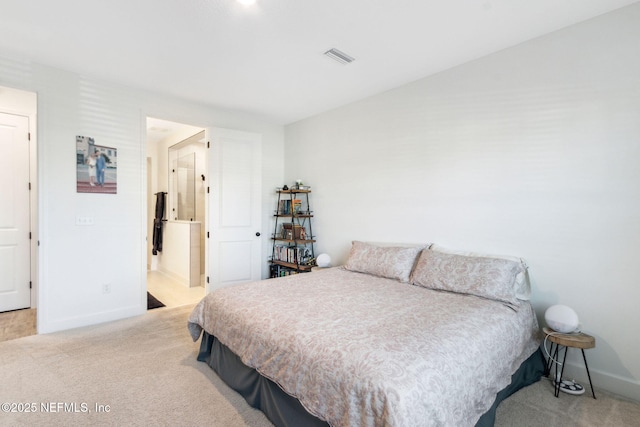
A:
{"x":234,"y":207}
{"x":15,"y":257}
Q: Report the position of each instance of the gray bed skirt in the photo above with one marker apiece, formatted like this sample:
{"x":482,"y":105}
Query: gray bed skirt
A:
{"x":284,"y":410}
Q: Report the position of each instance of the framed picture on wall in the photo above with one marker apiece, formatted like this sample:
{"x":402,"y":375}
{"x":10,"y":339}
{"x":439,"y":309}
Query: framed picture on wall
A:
{"x":96,"y":167}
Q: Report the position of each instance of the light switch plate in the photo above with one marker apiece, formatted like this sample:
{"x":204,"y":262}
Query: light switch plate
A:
{"x":85,"y":220}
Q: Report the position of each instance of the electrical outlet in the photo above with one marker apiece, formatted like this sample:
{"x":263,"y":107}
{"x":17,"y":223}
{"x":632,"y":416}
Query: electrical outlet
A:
{"x":106,"y":288}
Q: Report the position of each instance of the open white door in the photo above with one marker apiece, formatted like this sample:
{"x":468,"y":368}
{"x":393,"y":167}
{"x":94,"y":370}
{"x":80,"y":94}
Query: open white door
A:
{"x":234,"y":208}
{"x":15,"y":255}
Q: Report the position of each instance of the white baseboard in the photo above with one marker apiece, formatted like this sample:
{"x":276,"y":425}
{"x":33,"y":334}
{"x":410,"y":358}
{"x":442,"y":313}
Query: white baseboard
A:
{"x":45,"y":327}
{"x":625,"y":387}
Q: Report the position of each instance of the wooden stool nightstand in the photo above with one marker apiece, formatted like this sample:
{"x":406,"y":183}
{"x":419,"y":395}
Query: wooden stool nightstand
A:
{"x":577,"y":340}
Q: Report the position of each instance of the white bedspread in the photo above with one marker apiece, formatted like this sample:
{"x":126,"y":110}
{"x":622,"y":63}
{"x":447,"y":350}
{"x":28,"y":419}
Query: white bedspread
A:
{"x":359,"y":350}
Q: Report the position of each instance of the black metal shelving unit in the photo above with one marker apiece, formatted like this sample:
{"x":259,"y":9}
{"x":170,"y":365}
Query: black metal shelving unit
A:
{"x":293,"y":239}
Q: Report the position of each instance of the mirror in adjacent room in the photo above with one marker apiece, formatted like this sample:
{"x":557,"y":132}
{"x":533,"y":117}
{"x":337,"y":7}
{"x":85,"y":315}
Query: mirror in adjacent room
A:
{"x":182,"y":178}
{"x":185,"y":187}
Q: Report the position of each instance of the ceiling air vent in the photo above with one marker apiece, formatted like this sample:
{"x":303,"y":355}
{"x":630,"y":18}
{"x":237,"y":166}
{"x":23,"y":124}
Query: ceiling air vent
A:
{"x":341,"y":57}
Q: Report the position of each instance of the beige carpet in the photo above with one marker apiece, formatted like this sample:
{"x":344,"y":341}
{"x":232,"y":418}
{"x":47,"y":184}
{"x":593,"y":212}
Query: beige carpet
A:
{"x":536,"y":406}
{"x":145,"y":370}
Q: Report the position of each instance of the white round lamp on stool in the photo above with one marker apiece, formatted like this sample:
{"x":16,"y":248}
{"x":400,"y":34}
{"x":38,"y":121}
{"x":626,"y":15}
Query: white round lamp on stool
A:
{"x":562,"y":319}
{"x":565,"y":331}
{"x":323,"y":261}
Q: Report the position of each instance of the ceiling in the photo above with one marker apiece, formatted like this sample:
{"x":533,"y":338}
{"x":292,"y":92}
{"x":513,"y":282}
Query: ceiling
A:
{"x":267,"y":59}
{"x":158,"y":129}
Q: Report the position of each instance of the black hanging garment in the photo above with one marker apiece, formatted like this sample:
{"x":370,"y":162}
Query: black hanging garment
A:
{"x":157,"y":223}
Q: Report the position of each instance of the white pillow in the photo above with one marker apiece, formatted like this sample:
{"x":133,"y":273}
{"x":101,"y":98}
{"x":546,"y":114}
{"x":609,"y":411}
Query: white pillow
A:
{"x":490,"y":278}
{"x":521,"y":287}
{"x":392,"y":262}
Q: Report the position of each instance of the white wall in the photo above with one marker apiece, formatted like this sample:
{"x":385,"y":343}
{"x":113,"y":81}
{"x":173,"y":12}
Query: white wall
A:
{"x":532,"y":151}
{"x":75,"y":261}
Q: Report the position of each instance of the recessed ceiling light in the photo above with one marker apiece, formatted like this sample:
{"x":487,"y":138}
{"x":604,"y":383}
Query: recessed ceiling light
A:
{"x":246,"y":2}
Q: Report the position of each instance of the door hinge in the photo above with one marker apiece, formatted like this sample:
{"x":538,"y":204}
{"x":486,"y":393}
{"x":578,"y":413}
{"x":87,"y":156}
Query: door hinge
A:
{"x":30,"y":285}
{"x":29,"y":235}
{"x":208,"y":144}
{"x":207,"y":234}
{"x":29,"y":136}
{"x":29,"y":186}
{"x":207,"y":279}
{"x":207,"y":190}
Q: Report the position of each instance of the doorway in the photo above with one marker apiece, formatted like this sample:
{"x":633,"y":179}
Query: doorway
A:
{"x":231,"y":184}
{"x":167,"y":271}
{"x":18,"y":218}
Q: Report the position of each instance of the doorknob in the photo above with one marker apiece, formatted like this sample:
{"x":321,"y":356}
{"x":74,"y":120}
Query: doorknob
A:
{"x":258,"y":233}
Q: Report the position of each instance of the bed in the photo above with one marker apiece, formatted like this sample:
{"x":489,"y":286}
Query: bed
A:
{"x":396,"y":337}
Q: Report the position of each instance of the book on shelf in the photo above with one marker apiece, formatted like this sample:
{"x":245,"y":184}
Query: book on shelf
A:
{"x":284,"y":207}
{"x":296,"y":206}
{"x":299,"y":255}
{"x":288,"y":207}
